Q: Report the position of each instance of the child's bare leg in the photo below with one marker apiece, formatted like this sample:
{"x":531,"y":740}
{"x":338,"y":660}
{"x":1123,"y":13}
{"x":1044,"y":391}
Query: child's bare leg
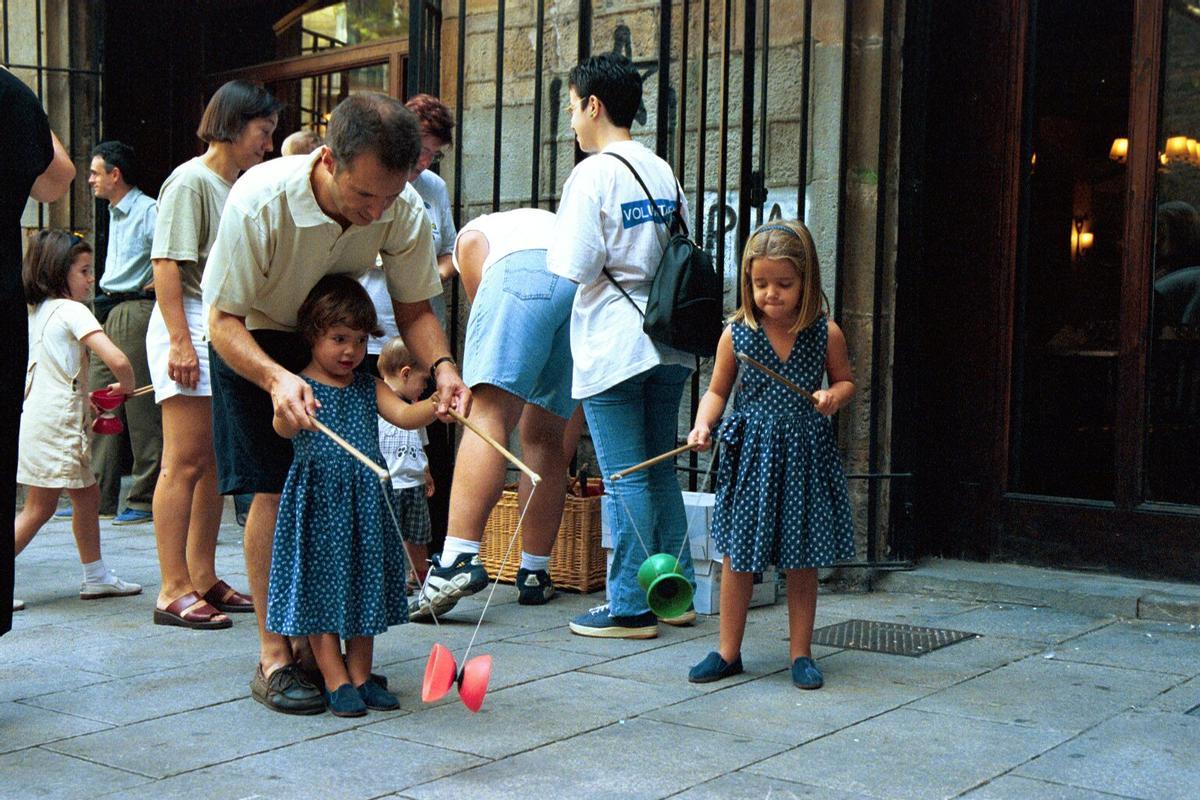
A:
{"x":40,"y":503}
{"x":359,"y":652}
{"x":736,"y":588}
{"x":85,"y":522}
{"x":418,"y":557}
{"x":802,"y":610}
{"x":327,"y":649}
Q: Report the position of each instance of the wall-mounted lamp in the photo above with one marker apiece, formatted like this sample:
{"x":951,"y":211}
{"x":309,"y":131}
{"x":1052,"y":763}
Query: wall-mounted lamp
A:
{"x":1119,"y":150}
{"x":1081,"y":240}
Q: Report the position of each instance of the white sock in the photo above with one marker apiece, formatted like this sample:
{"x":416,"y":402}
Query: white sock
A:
{"x":454,"y":547}
{"x":534,"y":563}
{"x":96,"y":572}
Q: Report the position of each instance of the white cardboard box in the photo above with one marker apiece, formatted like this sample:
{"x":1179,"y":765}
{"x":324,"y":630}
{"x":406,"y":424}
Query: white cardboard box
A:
{"x":706,"y":560}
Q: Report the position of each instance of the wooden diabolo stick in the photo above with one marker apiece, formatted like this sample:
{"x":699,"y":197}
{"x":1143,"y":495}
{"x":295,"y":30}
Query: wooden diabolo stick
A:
{"x":141,"y":390}
{"x":518,"y":463}
{"x":379,"y":471}
{"x":650,"y":462}
{"x":795,"y":387}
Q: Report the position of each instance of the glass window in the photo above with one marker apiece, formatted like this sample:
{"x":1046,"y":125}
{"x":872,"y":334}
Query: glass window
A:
{"x":311,"y":99}
{"x":353,"y":22}
{"x":1069,"y":270}
{"x":1173,"y":407}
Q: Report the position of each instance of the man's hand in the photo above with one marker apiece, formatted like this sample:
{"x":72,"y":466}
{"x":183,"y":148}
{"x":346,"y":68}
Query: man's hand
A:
{"x":451,"y":393}
{"x":293,"y":400}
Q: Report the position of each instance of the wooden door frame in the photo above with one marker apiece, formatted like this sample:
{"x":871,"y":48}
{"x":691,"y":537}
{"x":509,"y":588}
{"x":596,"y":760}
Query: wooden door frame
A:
{"x":393,"y":52}
{"x":1128,"y":534}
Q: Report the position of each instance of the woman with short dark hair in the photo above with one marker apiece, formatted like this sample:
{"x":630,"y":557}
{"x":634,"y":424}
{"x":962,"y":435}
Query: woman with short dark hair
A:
{"x":238,"y":126}
{"x":609,"y":240}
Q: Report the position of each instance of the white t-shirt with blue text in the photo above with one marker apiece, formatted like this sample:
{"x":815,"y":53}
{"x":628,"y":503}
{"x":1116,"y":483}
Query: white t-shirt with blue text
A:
{"x":605,"y":220}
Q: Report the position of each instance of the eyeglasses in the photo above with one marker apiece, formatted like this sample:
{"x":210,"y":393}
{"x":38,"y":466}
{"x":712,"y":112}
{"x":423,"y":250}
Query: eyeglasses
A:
{"x":434,"y":156}
{"x":570,"y":109}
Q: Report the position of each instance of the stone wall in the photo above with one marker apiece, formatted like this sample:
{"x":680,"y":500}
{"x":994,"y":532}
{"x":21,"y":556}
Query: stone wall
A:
{"x":631,"y":26}
{"x":64,"y":40}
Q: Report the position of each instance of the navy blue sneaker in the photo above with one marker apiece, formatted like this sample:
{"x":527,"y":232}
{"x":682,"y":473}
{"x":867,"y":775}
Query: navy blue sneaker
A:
{"x":445,"y":586}
{"x":599,"y":623}
{"x":805,"y":674}
{"x":344,"y":701}
{"x":534,"y":586}
{"x":714,"y":668}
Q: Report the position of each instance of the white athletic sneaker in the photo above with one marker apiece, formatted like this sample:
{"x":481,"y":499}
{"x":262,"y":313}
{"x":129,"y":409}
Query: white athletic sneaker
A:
{"x":445,"y":586}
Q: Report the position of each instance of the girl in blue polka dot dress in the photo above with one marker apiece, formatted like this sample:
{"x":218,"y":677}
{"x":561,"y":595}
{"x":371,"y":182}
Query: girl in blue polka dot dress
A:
{"x":781,"y":493}
{"x":337,"y":565}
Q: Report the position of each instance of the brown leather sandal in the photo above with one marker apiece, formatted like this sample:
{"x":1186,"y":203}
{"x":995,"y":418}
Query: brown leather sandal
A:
{"x":201,"y":617}
{"x":224,"y":597}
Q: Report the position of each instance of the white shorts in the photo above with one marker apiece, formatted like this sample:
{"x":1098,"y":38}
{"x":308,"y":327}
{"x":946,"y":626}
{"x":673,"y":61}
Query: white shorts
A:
{"x":158,"y":346}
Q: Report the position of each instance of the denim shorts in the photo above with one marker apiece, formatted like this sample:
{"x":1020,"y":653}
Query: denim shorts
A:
{"x":518,"y":335}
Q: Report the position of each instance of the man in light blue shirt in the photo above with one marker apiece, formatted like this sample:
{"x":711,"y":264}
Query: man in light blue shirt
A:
{"x":124,"y":300}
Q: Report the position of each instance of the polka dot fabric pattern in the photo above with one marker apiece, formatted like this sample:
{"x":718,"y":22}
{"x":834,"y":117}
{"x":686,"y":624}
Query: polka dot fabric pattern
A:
{"x":337,"y":565}
{"x":781,"y":492}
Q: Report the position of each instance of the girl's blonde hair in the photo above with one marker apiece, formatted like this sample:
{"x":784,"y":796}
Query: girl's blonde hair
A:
{"x":784,"y":240}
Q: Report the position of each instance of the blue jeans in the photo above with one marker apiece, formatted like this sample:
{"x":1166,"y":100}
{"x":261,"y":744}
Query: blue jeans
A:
{"x":631,"y":422}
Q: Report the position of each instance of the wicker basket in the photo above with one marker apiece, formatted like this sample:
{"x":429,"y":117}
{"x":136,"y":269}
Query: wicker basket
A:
{"x":577,"y":561}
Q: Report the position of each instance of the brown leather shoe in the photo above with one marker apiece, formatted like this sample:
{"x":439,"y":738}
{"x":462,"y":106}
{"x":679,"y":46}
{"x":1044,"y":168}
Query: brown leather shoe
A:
{"x":287,"y":691}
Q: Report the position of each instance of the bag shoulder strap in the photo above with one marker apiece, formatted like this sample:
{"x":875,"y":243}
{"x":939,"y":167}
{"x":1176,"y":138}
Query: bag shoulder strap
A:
{"x":653,"y":205}
{"x":621,"y":289}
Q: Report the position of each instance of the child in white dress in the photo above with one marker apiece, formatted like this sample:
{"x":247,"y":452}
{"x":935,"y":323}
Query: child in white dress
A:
{"x":54,"y":450}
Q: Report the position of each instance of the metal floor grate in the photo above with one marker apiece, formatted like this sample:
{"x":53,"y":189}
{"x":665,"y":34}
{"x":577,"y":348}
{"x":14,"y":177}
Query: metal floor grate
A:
{"x":887,"y":637}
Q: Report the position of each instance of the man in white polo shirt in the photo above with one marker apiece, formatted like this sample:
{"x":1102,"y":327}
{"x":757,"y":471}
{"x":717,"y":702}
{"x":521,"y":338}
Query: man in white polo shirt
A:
{"x":288,"y":223}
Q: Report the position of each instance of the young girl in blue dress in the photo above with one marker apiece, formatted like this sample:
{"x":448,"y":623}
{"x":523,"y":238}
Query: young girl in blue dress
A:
{"x":781,"y":493}
{"x":337,"y":565}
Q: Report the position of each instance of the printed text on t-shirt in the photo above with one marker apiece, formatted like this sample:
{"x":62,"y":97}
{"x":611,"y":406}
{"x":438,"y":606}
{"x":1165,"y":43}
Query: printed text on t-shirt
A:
{"x":637,"y":212}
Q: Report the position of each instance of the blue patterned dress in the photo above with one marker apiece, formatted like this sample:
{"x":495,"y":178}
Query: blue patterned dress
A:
{"x":781,"y":492}
{"x":337,"y":565}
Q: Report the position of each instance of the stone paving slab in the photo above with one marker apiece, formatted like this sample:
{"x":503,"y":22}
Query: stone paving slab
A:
{"x":1086,"y":593}
{"x":910,"y":609}
{"x":1181,"y":699}
{"x":1135,"y":754}
{"x":1034,"y":623}
{"x":351,"y":765}
{"x":531,"y":715}
{"x":910,"y":754}
{"x":1012,"y":787}
{"x":30,"y":678}
{"x":1160,"y":647}
{"x":638,"y":759}
{"x":1049,"y":694}
{"x":152,"y":695}
{"x":749,"y":786}
{"x":23,"y":726}
{"x":770,"y":708}
{"x":200,"y":738}
{"x":38,"y":773}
